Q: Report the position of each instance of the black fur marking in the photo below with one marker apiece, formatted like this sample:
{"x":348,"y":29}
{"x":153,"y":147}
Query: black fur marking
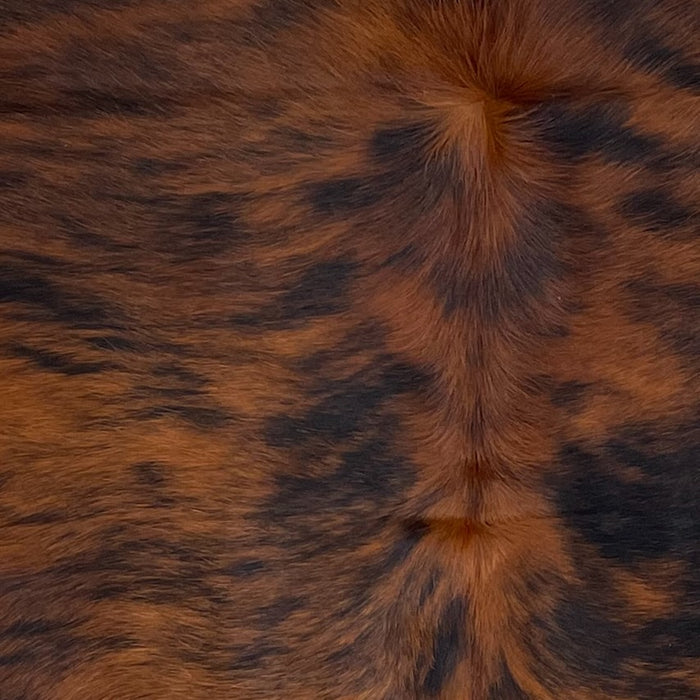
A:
{"x":347,"y":407}
{"x":573,"y":133}
{"x":202,"y":225}
{"x":649,"y":52}
{"x":246,"y":568}
{"x":656,"y":210}
{"x":407,"y":259}
{"x":587,"y":635}
{"x":368,"y":474}
{"x":685,"y":76}
{"x":52,"y":642}
{"x":36,"y":627}
{"x":663,"y":641}
{"x":569,"y":395}
{"x":273,"y":16}
{"x":279,"y":611}
{"x":341,"y":196}
{"x":97,"y":102}
{"x":510,"y":285}
{"x":140,"y":568}
{"x":407,"y":172}
{"x":631,"y":520}
{"x":10,"y":179}
{"x":322,"y":290}
{"x":49,"y":302}
{"x":429,"y":587}
{"x":298,"y":142}
{"x":449,"y":647}
{"x":625,"y":521}
{"x":586,"y":639}
{"x":674,"y":309}
{"x":17,"y":11}
{"x":412,"y":533}
{"x":45,"y":517}
{"x":150,"y":474}
{"x":256,"y":656}
{"x":402,"y":144}
{"x":53,"y":362}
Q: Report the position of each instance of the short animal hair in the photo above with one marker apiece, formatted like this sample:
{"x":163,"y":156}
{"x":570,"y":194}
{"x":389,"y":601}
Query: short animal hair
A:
{"x":349,"y":349}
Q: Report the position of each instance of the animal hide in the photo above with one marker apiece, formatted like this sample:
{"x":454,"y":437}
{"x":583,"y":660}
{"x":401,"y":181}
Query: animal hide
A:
{"x":349,"y":349}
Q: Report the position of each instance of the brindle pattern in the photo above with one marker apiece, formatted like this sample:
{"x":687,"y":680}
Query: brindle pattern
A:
{"x":349,"y":349}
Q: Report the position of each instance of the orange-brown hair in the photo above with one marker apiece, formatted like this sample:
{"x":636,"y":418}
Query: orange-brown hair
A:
{"x":349,"y":349}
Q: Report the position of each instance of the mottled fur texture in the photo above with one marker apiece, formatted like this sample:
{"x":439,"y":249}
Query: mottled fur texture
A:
{"x":349,"y":349}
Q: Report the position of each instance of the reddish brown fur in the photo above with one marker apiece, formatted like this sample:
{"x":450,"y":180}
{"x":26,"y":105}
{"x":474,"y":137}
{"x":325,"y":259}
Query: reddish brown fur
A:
{"x":349,"y":349}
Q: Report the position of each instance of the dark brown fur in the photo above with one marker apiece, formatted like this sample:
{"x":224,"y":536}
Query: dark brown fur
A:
{"x":349,"y":349}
